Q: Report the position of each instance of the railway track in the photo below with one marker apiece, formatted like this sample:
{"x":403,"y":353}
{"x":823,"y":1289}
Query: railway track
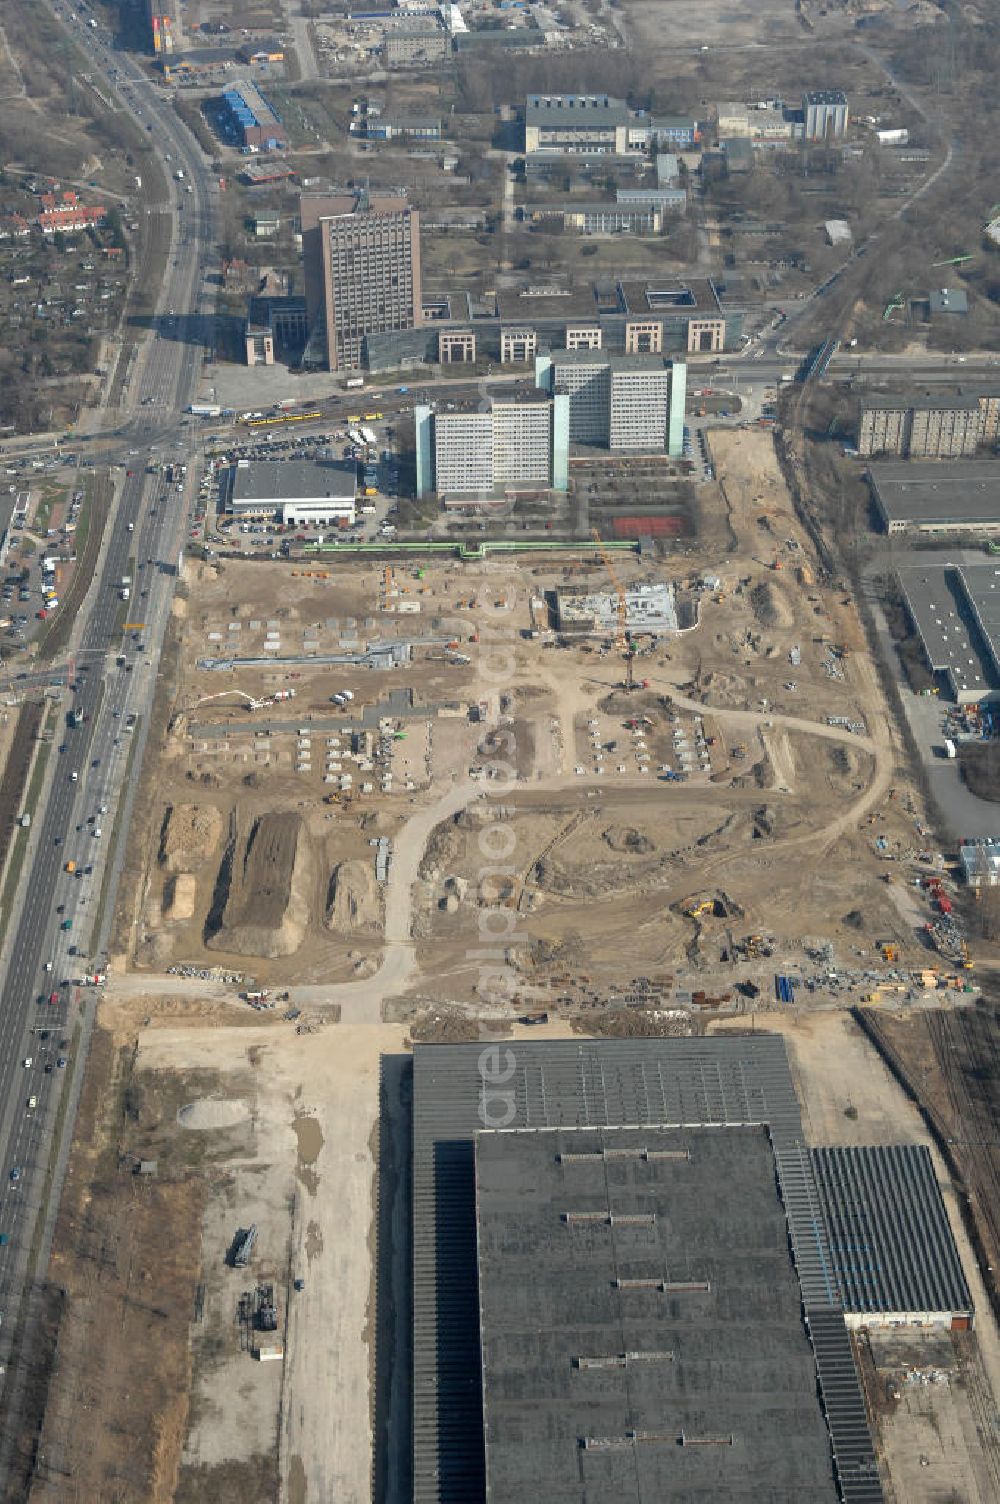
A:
{"x":967,"y":1046}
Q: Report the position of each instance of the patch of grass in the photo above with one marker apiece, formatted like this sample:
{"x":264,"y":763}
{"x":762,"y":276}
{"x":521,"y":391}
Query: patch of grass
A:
{"x":58,"y":1129}
{"x":24,"y":833}
{"x":106,"y":882}
{"x":43,"y":511}
{"x":88,"y":545}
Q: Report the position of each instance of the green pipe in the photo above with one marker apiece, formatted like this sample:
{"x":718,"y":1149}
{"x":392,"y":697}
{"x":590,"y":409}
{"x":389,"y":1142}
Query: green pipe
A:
{"x":475,"y":551}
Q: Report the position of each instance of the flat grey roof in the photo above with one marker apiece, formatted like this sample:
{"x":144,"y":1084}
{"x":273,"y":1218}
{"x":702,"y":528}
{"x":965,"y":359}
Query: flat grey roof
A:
{"x":980,"y":586}
{"x":574,"y":111}
{"x":572,"y":206}
{"x":612,"y":360}
{"x":940,"y":613}
{"x":597,"y":1390}
{"x":461,"y":1089}
{"x":889,"y":1231}
{"x":960,"y":399}
{"x":949,"y":300}
{"x":218,"y":55}
{"x":938,"y":492}
{"x":292,"y":480}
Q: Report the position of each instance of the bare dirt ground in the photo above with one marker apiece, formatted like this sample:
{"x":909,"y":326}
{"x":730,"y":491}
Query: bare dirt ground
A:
{"x":280,"y":1131}
{"x":716,"y":23}
{"x":738,"y":706}
{"x":488,"y":788}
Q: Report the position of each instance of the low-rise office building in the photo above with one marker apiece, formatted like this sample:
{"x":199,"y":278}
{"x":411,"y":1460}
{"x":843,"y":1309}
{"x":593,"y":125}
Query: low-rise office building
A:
{"x":575,"y":123}
{"x":512,"y":443}
{"x":403,"y":127}
{"x":599,"y":125}
{"x":667,"y":200}
{"x":632,"y":218}
{"x":294,"y":492}
{"x":695,"y":317}
{"x":416,"y":44}
{"x":937,"y":498}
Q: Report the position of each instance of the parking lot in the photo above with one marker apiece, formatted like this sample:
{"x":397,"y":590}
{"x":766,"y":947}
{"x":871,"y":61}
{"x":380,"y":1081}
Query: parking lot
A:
{"x":377,"y":495}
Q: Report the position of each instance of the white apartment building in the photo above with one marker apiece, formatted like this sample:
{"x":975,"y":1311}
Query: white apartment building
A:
{"x":619,"y":401}
{"x":515,"y":443}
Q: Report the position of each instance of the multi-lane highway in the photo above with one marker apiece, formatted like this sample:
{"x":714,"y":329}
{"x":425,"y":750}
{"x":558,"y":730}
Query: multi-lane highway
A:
{"x":82,"y":816}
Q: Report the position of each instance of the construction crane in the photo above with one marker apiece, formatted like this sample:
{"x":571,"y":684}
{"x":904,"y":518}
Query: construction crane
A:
{"x":896,"y":301}
{"x":622,"y":639}
{"x":953,"y":261}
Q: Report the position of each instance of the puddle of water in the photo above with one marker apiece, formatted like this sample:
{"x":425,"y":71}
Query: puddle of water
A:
{"x":310,"y":1139}
{"x":296,"y":1481}
{"x":314,"y":1241}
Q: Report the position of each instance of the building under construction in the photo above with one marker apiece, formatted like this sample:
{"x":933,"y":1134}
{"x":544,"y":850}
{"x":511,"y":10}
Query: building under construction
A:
{"x":647,"y":608}
{"x":633,"y":1280}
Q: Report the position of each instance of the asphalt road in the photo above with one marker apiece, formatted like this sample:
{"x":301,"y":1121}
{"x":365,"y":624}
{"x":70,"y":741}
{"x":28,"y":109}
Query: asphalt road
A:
{"x":76,"y":817}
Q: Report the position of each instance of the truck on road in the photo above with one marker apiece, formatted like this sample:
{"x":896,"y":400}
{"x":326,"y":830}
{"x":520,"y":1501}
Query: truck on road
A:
{"x":205,"y":410}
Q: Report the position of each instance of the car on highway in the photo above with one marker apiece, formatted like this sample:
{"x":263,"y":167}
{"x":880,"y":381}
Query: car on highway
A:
{"x":29,"y":1061}
{"x":62,"y":1063}
{"x":15,"y":1175}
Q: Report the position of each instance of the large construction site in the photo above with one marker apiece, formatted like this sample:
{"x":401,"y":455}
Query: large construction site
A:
{"x":689,"y":753}
{"x":402,"y":799}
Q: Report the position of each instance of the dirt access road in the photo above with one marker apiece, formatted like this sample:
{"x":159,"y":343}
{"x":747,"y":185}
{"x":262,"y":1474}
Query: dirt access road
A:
{"x":360,"y":1002}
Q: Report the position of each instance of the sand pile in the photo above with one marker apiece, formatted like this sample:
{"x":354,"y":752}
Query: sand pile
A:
{"x":769,"y":606}
{"x":626,"y":838}
{"x":213,"y":1112}
{"x":189,"y":836}
{"x":354,"y":901}
{"x":179,"y":893}
{"x":261,"y":905}
{"x":445,"y":849}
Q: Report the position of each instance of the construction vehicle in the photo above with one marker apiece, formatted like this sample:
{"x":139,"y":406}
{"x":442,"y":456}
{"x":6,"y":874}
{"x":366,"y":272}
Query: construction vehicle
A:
{"x":242,"y":1246}
{"x":251,"y":703}
{"x":889,"y":952}
{"x":266,"y":1317}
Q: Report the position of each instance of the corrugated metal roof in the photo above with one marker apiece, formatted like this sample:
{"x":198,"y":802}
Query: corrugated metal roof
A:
{"x":889,"y":1235}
